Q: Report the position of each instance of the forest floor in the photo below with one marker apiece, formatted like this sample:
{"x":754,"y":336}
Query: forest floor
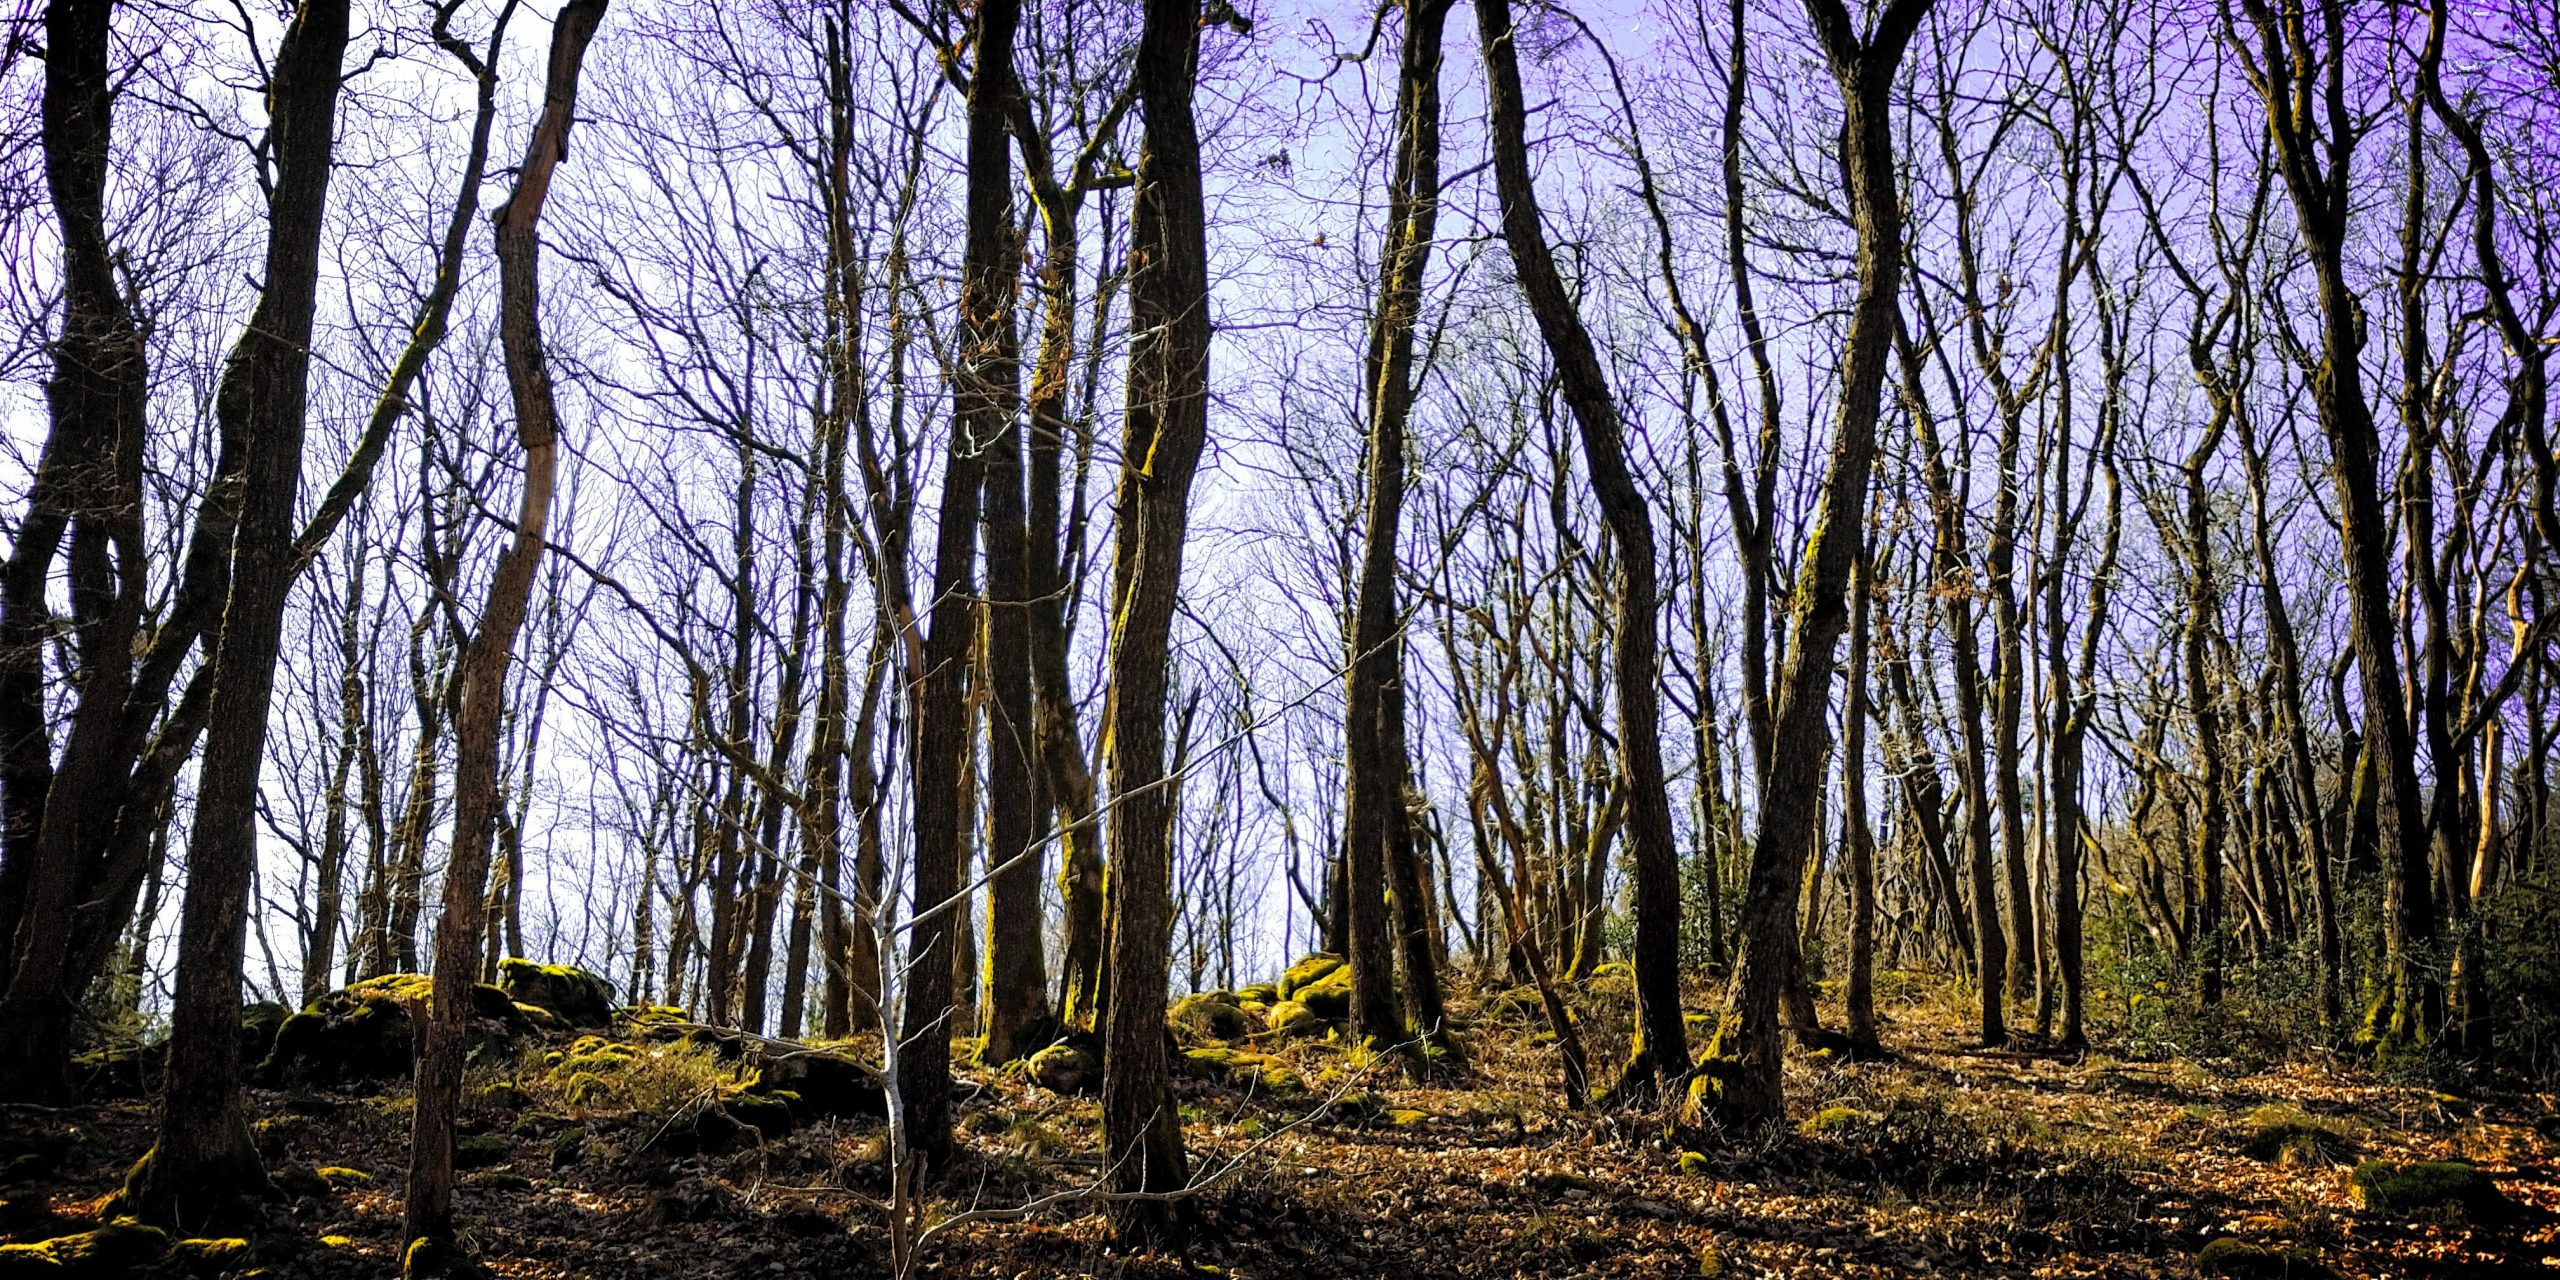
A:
{"x":1947,"y":1160}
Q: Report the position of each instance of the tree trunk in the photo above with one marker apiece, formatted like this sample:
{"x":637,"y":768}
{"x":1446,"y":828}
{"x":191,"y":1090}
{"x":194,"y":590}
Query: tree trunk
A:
{"x":480,"y":718}
{"x":1660,"y":1055}
{"x":2304,"y":116}
{"x":1377,"y":846}
{"x":1749,"y":1047}
{"x":202,"y":1161}
{"x":1166,"y":429}
{"x":1859,"y":842}
{"x":983,"y":397}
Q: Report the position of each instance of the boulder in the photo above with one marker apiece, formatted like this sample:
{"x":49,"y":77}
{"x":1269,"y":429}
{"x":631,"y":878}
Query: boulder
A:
{"x":365,"y":1031}
{"x":1290,"y":1018}
{"x":119,"y":1248}
{"x":258,"y":1026}
{"x":1328,"y":997}
{"x":1209,"y":1014}
{"x":816,"y":1083}
{"x":1305,"y":973}
{"x":210,"y":1257}
{"x":1064,"y":1068}
{"x":576,"y":996}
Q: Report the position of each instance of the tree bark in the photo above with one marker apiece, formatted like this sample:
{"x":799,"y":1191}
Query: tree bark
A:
{"x":202,"y":1161}
{"x":2300,"y":78}
{"x":983,"y":396}
{"x":1376,"y":844}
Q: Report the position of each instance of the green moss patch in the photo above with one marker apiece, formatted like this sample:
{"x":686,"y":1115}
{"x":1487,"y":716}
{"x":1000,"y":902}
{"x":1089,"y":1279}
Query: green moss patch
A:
{"x":2426,"y":1188}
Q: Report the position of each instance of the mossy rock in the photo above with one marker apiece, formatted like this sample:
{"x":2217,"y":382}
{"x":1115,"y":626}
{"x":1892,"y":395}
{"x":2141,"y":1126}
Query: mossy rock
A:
{"x":1290,"y":1018}
{"x":1215,"y":1062}
{"x":2293,"y":1138}
{"x":1329,"y":996}
{"x":1694,"y":1164}
{"x":2243,"y":1260}
{"x":299,"y":1182}
{"x":2427,"y":1187}
{"x":1615,"y":969}
{"x":1259,"y":993}
{"x":480,"y":1150}
{"x":1305,"y":973}
{"x":1836,"y":1121}
{"x":578,"y":997}
{"x":1210,"y":1013}
{"x":1407,"y":1118}
{"x":210,"y":1256}
{"x":127,"y":1071}
{"x":339,"y":1177}
{"x":116,"y":1249}
{"x":1275,"y":1077}
{"x":1064,"y":1068}
{"x":364,"y":1031}
{"x":499,"y":1180}
{"x":652,"y":1021}
{"x":569,"y":1148}
{"x":258,"y":1026}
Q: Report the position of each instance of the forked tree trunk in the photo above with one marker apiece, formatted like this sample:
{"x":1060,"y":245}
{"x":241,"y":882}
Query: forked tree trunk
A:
{"x":2299,"y":74}
{"x":1376,"y":848}
{"x":1749,"y":1050}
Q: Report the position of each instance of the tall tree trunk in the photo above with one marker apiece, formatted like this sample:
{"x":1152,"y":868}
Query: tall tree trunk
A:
{"x":1953,"y":590}
{"x":1859,"y":842}
{"x":982,"y":396}
{"x":1660,"y":1054}
{"x":1167,"y":425}
{"x":1750,"y":1043}
{"x":88,"y":486}
{"x":202,"y":1160}
{"x":427,"y":1224}
{"x":1376,"y":843}
{"x":1017,"y":969}
{"x":329,"y":877}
